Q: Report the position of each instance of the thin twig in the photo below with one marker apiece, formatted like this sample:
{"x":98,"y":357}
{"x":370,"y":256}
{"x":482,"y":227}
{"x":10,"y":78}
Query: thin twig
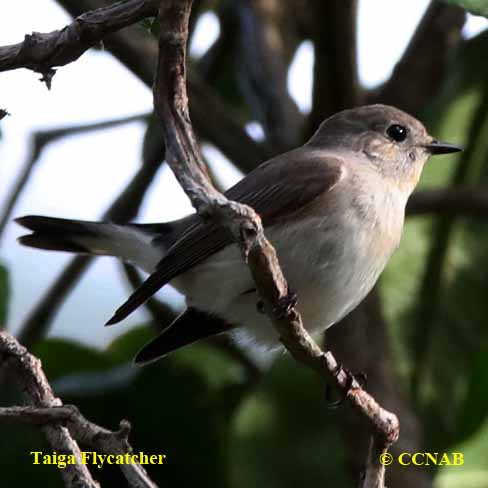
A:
{"x":39,"y":141}
{"x":40,"y":318}
{"x":62,"y":423}
{"x":123,"y":209}
{"x":170,"y":99}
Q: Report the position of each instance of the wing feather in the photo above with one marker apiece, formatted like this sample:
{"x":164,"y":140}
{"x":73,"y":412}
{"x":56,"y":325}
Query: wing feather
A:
{"x":276,"y":189}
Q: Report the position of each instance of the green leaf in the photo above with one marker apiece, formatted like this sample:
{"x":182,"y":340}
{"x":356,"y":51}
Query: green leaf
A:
{"x":476,"y":7}
{"x":4,"y":296}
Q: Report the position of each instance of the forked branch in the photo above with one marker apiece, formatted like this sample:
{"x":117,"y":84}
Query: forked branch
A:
{"x":63,"y":425}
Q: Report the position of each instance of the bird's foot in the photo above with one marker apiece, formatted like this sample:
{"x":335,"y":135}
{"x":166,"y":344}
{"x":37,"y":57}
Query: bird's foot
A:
{"x":285,"y":305}
{"x":359,"y":376}
{"x":283,"y":308}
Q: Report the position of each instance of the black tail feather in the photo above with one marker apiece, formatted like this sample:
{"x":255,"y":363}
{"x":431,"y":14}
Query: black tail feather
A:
{"x":56,"y":234}
{"x":40,"y":241}
{"x":192,"y":325}
{"x":38,"y":223}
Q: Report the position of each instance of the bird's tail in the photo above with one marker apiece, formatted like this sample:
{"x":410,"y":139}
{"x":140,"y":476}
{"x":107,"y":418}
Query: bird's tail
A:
{"x":140,"y":244}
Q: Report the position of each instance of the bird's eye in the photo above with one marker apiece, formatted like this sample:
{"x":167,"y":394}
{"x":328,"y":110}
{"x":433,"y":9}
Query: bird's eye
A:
{"x":397,"y":132}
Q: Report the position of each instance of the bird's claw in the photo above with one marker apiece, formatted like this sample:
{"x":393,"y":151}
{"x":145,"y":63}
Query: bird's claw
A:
{"x":359,"y":377}
{"x":285,"y":305}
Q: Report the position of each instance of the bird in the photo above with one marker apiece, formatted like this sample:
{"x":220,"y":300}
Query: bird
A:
{"x":333,"y":209}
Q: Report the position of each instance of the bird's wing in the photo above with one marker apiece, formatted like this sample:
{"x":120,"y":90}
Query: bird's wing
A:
{"x":275,"y":190}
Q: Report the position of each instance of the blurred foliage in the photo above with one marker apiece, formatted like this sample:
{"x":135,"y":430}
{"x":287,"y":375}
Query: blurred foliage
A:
{"x":197,"y":407}
{"x":451,"y":395}
{"x":476,"y":7}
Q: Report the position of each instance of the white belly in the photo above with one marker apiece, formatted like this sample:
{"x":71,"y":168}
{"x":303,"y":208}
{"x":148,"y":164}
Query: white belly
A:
{"x":330,"y":263}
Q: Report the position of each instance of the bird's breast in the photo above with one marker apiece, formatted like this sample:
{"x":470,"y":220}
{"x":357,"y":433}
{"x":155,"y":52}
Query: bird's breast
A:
{"x":333,"y":257}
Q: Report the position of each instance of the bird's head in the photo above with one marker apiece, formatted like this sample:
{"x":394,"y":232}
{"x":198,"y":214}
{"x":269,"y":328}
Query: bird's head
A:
{"x":393,"y":142}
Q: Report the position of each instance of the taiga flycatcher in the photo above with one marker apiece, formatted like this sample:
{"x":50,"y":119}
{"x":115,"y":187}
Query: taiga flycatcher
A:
{"x":333,"y":208}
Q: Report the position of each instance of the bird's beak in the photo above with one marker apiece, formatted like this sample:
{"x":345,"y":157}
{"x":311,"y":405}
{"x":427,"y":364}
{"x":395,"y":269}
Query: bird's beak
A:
{"x":437,"y":147}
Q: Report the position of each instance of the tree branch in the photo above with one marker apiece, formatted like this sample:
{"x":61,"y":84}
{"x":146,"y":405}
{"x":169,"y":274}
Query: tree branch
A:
{"x":63,"y":422}
{"x":362,"y":341}
{"x":428,"y":52}
{"x":40,"y":52}
{"x":138,"y":51}
{"x":332,"y":27}
{"x":466,"y":201}
{"x":38,"y":393}
{"x":170,"y":99}
{"x":263,"y":70}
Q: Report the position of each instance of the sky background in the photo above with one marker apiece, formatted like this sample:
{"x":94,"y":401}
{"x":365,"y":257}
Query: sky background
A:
{"x":81,"y":175}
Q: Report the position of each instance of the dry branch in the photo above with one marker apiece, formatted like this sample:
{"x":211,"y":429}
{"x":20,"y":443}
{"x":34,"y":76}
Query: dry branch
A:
{"x":37,"y":391}
{"x":171,"y":105}
{"x":138,"y":51}
{"x":63,"y":423}
{"x":40,"y":52}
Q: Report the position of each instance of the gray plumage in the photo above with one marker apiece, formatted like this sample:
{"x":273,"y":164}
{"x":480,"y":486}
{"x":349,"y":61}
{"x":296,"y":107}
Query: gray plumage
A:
{"x":333,"y":208}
